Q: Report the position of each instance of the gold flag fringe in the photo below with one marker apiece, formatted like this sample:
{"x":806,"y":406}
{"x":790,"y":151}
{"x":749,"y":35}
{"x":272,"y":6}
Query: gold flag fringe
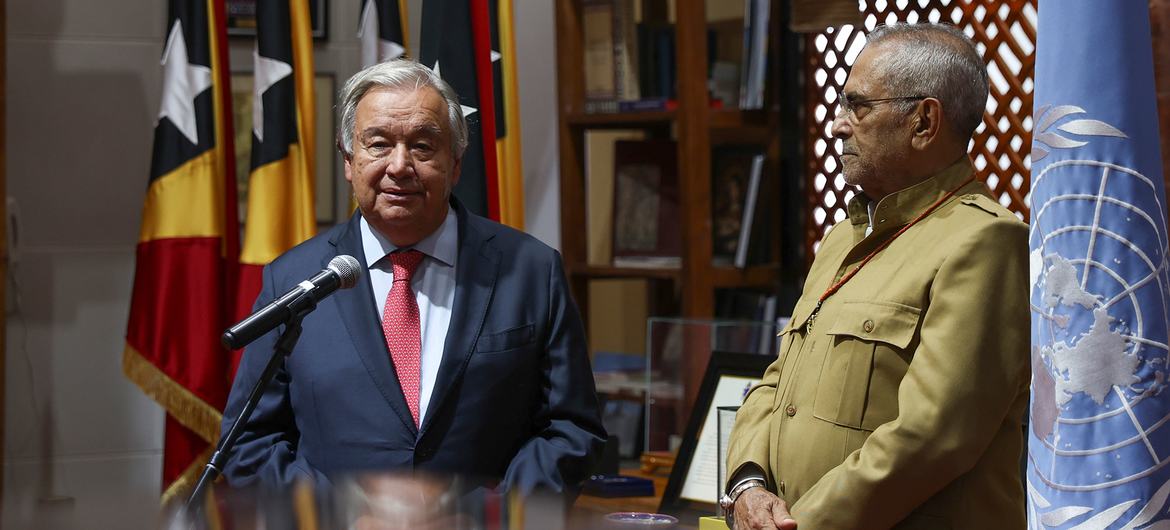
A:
{"x":187,"y":408}
{"x":182,"y":486}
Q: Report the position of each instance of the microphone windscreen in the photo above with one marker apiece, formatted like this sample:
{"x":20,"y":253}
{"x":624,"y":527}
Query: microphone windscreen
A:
{"x":347,"y":268}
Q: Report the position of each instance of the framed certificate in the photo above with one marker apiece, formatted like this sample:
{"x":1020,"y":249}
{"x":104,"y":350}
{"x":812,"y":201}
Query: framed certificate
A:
{"x":694,"y":484}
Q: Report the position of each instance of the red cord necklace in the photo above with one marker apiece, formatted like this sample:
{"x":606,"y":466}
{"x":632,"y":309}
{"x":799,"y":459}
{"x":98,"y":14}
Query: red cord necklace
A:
{"x":848,"y":276}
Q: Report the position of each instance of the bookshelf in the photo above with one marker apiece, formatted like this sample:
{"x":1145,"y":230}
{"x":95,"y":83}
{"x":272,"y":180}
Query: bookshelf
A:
{"x":697,"y":128}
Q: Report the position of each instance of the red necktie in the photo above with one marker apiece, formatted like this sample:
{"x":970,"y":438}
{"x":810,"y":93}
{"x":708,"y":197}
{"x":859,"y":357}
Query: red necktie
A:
{"x":400,"y":324}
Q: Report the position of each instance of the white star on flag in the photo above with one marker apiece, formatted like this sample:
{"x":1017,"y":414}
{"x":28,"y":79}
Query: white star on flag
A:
{"x":467,"y":111}
{"x":390,"y":50}
{"x":182,"y":82}
{"x":373,"y":49}
{"x":268,"y":72}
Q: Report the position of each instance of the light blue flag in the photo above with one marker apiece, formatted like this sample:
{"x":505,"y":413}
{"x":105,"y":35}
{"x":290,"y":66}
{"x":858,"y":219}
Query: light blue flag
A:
{"x":1099,"y":439}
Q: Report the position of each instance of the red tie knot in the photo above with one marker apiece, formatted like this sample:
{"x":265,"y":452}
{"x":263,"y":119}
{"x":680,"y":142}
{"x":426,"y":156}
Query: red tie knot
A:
{"x":405,"y":263}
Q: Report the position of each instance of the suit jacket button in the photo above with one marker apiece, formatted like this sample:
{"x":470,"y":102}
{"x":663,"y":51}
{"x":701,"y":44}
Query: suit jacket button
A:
{"x":867,"y":326}
{"x":790,"y":411}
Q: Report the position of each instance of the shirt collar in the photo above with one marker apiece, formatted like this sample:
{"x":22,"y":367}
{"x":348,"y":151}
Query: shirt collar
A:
{"x":898,"y":208}
{"x":442,"y":244}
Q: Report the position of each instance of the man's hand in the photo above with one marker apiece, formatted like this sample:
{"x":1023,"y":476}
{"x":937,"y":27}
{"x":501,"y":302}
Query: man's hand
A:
{"x":759,"y":509}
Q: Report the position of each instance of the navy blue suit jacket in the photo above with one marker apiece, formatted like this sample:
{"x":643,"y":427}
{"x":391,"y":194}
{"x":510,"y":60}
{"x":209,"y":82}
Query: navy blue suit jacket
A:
{"x":514,"y":399}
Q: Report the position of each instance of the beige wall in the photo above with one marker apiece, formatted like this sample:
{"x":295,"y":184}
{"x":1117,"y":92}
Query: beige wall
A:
{"x":83,"y":445}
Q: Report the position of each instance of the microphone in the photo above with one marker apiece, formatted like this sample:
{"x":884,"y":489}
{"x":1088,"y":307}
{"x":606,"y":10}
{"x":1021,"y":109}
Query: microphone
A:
{"x":342,"y":273}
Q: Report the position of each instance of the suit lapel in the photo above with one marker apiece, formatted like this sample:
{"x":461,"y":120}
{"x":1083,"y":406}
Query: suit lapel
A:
{"x":359,"y":313}
{"x":475,"y":280}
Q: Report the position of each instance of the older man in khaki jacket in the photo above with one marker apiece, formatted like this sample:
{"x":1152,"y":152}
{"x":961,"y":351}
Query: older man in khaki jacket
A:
{"x":902,"y":379}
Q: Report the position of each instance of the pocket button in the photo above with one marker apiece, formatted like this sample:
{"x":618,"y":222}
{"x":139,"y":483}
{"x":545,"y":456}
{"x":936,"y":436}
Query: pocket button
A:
{"x":790,"y":411}
{"x":867,"y":326}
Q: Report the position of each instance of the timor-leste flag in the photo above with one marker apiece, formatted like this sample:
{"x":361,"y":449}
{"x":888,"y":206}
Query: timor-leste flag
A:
{"x":455,"y":42}
{"x":187,"y":246}
{"x":510,"y":179}
{"x":280,"y":210}
{"x":382,"y":30}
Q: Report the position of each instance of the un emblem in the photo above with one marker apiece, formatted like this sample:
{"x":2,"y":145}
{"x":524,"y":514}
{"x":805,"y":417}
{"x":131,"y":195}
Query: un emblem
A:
{"x":1099,"y":318}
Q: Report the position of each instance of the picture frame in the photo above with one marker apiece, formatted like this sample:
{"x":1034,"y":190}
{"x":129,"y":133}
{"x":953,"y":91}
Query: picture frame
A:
{"x":692,"y":490}
{"x":645,"y":204}
{"x":328,"y":182}
{"x":241,"y":18}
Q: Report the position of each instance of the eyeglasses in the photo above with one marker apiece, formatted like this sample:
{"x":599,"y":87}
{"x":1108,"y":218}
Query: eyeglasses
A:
{"x":850,"y":107}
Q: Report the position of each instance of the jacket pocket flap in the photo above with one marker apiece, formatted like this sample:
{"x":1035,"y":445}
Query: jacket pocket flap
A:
{"x":506,"y":340}
{"x":800,"y":314}
{"x":888,"y":322}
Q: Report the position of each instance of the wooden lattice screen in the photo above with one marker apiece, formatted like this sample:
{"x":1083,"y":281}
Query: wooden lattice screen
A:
{"x":1004,"y":32}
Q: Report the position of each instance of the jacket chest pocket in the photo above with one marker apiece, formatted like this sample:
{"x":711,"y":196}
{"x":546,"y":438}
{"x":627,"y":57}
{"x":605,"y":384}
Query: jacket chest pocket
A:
{"x":869,"y":352}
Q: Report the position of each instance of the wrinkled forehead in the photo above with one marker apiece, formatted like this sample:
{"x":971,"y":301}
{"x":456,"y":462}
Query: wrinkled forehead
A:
{"x":869,"y":75}
{"x":412,"y":107}
{"x":382,"y":99}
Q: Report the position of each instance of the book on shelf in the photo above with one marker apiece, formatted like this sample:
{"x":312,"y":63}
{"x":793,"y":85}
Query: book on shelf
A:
{"x":665,"y":73}
{"x":618,"y":309}
{"x":755,"y":53}
{"x":599,"y":157}
{"x":725,"y":26}
{"x":645,"y":204}
{"x":640,"y":72}
{"x":611,"y":50}
{"x":598,"y":36}
{"x":769,"y":341}
{"x":625,"y":50}
{"x":735,"y":178}
{"x":758,"y":309}
{"x":632,"y":105}
{"x":751,"y":218}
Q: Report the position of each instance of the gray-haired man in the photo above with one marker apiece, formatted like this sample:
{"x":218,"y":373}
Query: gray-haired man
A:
{"x":903,"y":375}
{"x":458,"y":352}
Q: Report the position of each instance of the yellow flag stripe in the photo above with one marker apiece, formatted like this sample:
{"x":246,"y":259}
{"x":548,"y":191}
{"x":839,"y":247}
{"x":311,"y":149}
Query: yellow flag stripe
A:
{"x":186,"y":202}
{"x":280,"y":209}
{"x":511,"y":170}
{"x":221,"y":157}
{"x":302,"y":41}
{"x":281,"y":206}
{"x":403,"y":13}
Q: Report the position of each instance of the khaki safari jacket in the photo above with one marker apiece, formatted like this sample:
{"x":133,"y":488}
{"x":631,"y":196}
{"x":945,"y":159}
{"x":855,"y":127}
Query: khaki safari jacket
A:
{"x":902,"y":405}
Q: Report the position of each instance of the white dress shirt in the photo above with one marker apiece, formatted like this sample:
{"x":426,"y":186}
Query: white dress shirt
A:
{"x":434,"y":286}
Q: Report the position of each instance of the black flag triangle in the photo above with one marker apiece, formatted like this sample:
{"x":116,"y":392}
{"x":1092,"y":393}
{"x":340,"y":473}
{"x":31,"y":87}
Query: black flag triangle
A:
{"x":451,"y":30}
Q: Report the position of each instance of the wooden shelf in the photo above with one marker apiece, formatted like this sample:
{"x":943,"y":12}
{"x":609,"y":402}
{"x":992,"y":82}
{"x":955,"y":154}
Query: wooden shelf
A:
{"x":619,"y":120}
{"x":603,"y":272}
{"x":696,"y":127}
{"x":754,"y":276}
{"x":736,"y":118}
{"x":722,"y":276}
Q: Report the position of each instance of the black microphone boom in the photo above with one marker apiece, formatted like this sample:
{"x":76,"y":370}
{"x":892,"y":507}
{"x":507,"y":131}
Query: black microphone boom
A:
{"x":342,"y":273}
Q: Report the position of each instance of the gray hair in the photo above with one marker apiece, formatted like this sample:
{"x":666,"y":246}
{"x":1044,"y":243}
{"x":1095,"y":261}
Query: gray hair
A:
{"x":398,"y":74}
{"x":935,"y":60}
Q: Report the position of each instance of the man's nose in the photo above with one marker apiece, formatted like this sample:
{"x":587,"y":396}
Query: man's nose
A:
{"x":841,"y":127}
{"x":398,"y":163}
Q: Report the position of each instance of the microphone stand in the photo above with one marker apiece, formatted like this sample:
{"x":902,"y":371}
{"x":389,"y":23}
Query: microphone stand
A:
{"x":284,"y":347}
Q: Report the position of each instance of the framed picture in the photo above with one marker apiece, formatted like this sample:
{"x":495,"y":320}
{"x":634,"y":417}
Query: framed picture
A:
{"x":645,"y":204}
{"x":328,"y":181}
{"x":241,"y":18}
{"x":693,"y":487}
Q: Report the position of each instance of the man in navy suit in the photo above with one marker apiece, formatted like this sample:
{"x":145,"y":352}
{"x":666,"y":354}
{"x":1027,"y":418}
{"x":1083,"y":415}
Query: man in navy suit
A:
{"x":473,"y":362}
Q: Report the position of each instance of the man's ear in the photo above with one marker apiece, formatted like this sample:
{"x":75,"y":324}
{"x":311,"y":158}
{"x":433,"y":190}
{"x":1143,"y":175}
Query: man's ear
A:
{"x":455,"y":169}
{"x":926,"y":123}
{"x":348,"y":167}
